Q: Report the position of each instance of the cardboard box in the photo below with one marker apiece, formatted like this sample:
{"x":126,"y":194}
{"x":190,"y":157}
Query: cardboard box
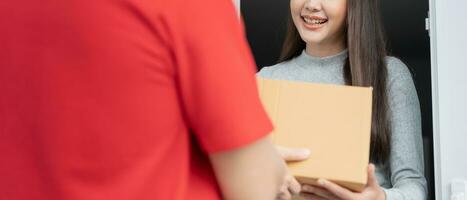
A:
{"x":333,"y":121}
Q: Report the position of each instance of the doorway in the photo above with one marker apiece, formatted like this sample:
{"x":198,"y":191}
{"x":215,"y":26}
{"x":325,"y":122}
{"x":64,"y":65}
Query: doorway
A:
{"x":404,"y":23}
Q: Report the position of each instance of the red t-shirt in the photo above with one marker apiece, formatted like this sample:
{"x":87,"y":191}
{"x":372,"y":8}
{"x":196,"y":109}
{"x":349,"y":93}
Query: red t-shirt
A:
{"x":122,"y":99}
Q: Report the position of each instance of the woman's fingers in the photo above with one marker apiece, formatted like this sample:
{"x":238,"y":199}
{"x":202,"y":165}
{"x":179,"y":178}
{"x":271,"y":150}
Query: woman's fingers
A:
{"x":318,"y":191}
{"x":372,"y":181}
{"x":337,"y":190}
{"x":309,"y":196}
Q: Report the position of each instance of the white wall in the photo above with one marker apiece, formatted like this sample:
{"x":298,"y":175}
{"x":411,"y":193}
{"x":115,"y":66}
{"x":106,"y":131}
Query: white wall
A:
{"x":237,"y":5}
{"x":449,"y":68}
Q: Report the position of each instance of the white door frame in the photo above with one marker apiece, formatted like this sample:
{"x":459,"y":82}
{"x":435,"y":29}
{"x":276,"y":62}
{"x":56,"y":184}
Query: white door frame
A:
{"x":435,"y":100}
{"x":448,"y":30}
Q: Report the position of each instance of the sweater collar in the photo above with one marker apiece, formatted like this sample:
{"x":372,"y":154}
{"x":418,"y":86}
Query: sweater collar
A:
{"x":305,"y":60}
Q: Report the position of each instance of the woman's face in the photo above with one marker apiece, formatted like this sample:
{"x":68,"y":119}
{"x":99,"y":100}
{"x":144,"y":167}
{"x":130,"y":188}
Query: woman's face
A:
{"x":319,"y":22}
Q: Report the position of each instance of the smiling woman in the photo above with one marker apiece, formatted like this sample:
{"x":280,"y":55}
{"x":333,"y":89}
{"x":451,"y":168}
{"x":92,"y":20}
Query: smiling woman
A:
{"x":351,"y":25}
{"x":342,"y":42}
{"x":320,"y":24}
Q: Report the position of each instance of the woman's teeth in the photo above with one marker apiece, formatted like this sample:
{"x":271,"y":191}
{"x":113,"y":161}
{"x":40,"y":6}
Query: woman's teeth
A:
{"x":314,"y":21}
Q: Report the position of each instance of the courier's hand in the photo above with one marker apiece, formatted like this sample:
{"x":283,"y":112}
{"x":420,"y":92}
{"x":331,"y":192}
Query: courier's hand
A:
{"x":330,"y":191}
{"x":291,"y":187}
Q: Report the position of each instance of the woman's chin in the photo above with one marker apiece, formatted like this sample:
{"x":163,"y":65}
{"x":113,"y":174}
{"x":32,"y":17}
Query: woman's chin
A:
{"x":313,"y":41}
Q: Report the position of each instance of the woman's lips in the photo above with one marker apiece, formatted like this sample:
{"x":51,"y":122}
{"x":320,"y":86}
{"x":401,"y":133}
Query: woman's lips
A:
{"x":313,"y":22}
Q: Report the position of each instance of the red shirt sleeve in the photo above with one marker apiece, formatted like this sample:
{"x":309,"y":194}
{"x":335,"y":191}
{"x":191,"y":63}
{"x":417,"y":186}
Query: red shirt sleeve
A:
{"x":216,"y":76}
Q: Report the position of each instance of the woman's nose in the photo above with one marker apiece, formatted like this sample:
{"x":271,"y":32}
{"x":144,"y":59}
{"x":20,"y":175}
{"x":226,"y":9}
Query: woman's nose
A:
{"x":313,"y":5}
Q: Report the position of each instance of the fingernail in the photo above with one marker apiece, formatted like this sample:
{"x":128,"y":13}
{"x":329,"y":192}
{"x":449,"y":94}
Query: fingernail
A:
{"x":305,"y":152}
{"x":321,"y":182}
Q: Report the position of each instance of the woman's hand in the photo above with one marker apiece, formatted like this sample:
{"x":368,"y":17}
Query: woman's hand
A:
{"x":331,"y":191}
{"x":291,"y":187}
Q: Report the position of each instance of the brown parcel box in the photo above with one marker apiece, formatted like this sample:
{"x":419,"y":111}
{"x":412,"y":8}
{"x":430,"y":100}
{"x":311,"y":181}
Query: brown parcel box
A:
{"x":333,"y":121}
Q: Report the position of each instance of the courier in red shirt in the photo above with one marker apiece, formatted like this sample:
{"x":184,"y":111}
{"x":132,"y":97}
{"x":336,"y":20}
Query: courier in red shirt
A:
{"x":122,"y":99}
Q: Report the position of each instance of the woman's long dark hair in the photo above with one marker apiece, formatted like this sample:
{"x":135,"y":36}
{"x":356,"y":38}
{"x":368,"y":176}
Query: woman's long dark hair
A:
{"x":365,"y":65}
